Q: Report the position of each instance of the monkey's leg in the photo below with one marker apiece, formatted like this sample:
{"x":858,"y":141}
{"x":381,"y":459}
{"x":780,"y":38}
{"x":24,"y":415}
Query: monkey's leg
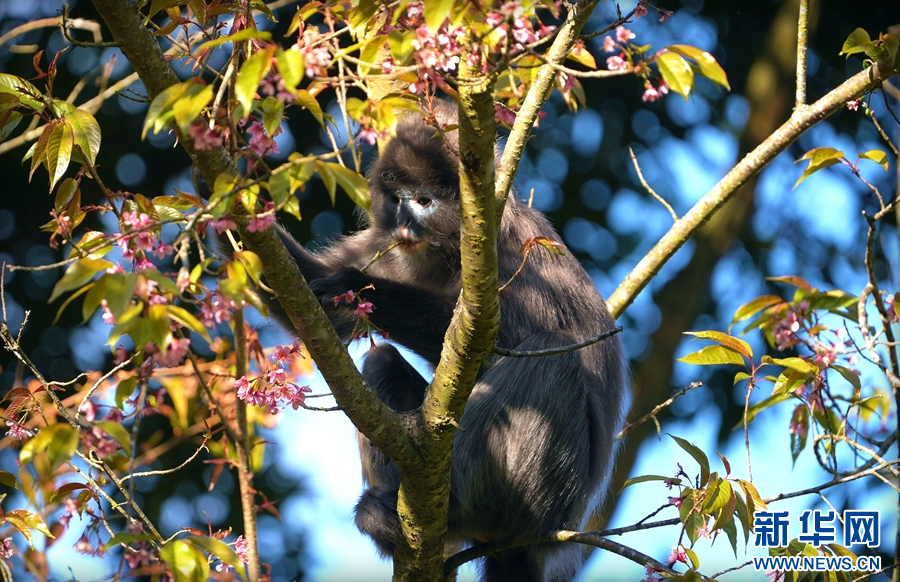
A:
{"x":526,"y":462}
{"x":402,"y":388}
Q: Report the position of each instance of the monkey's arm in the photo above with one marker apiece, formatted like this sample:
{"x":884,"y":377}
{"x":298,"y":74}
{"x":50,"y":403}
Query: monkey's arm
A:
{"x":415,"y":317}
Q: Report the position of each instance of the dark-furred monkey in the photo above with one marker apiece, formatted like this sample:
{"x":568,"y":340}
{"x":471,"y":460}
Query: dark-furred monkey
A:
{"x":537,"y":442}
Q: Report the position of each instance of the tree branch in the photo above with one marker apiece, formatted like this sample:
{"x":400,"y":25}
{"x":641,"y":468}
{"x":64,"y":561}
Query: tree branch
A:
{"x":383,"y":427}
{"x":684,"y":229}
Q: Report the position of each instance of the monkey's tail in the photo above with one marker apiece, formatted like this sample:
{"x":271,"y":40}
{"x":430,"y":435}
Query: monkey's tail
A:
{"x":534,"y":563}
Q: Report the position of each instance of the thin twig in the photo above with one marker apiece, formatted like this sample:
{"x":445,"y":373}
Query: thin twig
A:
{"x":559,"y":350}
{"x":656,"y":410}
{"x":644,"y":183}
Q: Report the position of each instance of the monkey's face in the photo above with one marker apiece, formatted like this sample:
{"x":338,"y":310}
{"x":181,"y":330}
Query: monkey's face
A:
{"x":414,"y":187}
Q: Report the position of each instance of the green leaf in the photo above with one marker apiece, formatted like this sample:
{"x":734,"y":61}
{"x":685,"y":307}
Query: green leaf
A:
{"x":85,"y":133}
{"x":78,"y":273}
{"x":690,"y":517}
{"x":124,"y":390}
{"x":187,"y":563}
{"x":355,"y":185}
{"x":187,"y":108}
{"x":436,"y":12}
{"x":187,"y":319}
{"x":645,"y":478}
{"x":830,"y":300}
{"x":695,"y":563}
{"x":58,"y":440}
{"x":677,"y":73}
{"x":718,"y":496}
{"x":754,"y":306}
{"x":713,"y":356}
{"x":794,"y":280}
{"x":118,"y":433}
{"x":698,"y":455}
{"x":309,"y":103}
{"x":787,"y":382}
{"x":222,"y":551}
{"x":25,"y":521}
{"x":8,"y":479}
{"x":324,"y":170}
{"x":819,"y":158}
{"x":127,"y":538}
{"x":751,"y":494}
{"x":877,"y":156}
{"x":290,"y":66}
{"x":159,"y":114}
{"x":64,"y":490}
{"x":25,"y":92}
{"x":273,"y":111}
{"x":799,"y":431}
{"x":252,"y":72}
{"x":849,"y":376}
{"x":733,"y":343}
{"x":581,"y":55}
{"x":241,"y":35}
{"x":707,"y":64}
{"x":857,"y":42}
{"x":58,"y":152}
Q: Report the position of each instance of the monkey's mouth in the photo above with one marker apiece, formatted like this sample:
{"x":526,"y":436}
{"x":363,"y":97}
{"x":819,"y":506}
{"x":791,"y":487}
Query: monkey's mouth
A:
{"x":409,"y":245}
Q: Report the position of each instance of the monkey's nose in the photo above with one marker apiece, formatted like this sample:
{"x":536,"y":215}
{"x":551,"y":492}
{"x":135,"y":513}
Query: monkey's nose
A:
{"x":403,"y":232}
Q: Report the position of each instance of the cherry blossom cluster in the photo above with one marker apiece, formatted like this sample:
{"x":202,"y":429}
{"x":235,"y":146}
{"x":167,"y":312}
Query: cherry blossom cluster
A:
{"x":272,"y":390}
{"x":140,"y":239}
{"x":364,"y":326}
{"x":241,"y":548}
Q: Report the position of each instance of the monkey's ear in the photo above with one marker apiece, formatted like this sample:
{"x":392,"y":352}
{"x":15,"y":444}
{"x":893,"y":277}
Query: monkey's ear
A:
{"x":200,"y":185}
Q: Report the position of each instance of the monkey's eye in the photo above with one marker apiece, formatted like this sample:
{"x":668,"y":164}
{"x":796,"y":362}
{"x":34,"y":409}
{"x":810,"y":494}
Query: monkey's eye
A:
{"x":394,"y":199}
{"x":424,"y":201}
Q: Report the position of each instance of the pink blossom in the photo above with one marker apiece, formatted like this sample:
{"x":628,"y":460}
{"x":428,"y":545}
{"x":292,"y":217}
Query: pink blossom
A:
{"x":98,"y":440}
{"x":89,"y":409}
{"x":676,"y":501}
{"x":263,"y":220}
{"x":853,"y":105}
{"x":651,"y":94}
{"x":141,"y":556}
{"x":640,"y":9}
{"x":277,"y":376}
{"x":260,"y":143}
{"x":387,"y":66}
{"x":609,"y":45}
{"x":623,"y":35}
{"x":651,"y":571}
{"x":616,"y":63}
{"x":890,"y":311}
{"x":369,"y":135}
{"x":678,"y":555}
{"x":703,"y":532}
{"x":205,"y":137}
{"x":173,"y":354}
{"x":241,"y":548}
{"x":114,"y":415}
{"x":224,"y":224}
{"x":106,"y":314}
{"x":71,"y":510}
{"x":664,"y":15}
{"x":504,"y":115}
{"x":6,"y":548}
{"x":363,"y":309}
{"x":83,"y":545}
{"x":16,"y":431}
{"x":283,"y":354}
{"x":164,"y":251}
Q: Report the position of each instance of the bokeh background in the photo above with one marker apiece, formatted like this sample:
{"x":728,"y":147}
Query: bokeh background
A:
{"x":579,"y":168}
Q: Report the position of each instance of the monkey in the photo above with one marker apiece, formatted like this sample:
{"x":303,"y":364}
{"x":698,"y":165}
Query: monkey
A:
{"x":536,"y":443}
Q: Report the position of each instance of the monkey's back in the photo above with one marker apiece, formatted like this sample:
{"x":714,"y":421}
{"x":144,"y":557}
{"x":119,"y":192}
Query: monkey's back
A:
{"x":538,"y":444}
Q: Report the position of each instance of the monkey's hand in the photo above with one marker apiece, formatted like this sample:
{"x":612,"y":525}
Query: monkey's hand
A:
{"x":338,"y":284}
